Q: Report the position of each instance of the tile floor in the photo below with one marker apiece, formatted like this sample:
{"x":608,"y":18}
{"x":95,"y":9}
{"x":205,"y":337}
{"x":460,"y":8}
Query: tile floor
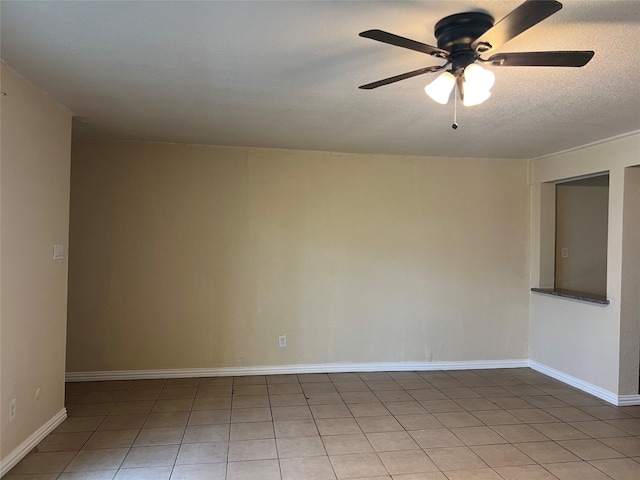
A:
{"x":511,"y":424}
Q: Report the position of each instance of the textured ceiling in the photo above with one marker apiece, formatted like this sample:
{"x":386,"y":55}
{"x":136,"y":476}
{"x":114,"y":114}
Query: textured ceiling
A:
{"x":285,"y":75}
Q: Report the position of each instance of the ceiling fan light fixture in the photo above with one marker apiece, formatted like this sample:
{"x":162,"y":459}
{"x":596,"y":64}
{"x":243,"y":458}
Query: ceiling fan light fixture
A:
{"x":440,"y":89}
{"x":479,"y":77}
{"x":474,"y":96}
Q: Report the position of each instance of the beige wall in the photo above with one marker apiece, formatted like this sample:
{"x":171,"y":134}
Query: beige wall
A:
{"x":580,"y":339}
{"x":36,"y":152}
{"x":581,"y":227}
{"x":193,"y":256}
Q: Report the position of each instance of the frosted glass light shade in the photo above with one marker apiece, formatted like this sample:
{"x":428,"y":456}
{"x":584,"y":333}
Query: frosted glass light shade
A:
{"x":474,"y":96}
{"x":440,"y":89}
{"x":480,"y":78}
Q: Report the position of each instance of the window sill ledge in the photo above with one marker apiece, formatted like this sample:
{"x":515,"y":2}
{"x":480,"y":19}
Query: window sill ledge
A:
{"x":582,"y":296}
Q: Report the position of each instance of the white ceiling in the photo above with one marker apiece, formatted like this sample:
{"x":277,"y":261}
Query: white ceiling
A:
{"x":285,"y":75}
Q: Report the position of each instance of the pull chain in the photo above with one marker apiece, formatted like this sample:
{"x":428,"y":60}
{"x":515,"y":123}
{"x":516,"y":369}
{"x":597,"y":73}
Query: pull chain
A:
{"x":455,"y":110}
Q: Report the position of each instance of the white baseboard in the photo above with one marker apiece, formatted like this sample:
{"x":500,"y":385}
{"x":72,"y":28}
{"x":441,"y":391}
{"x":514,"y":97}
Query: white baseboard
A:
{"x":292,"y":369}
{"x":30,"y":443}
{"x":591,"y":389}
{"x":628,"y":400}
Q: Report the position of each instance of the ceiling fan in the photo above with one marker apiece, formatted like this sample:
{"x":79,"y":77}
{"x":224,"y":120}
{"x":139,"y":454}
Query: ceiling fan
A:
{"x":464,"y":38}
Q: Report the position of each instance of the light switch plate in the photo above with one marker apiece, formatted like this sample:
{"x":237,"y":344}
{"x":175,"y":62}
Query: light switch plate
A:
{"x":58,"y":251}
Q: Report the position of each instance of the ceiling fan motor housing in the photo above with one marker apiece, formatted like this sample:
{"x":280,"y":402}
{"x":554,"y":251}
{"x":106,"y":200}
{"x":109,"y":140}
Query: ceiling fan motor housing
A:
{"x":456,"y":33}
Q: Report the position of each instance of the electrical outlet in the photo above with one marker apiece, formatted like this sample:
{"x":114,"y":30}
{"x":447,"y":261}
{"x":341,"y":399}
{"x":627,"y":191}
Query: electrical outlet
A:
{"x":12,"y":410}
{"x":565,"y":252}
{"x":282,"y":341}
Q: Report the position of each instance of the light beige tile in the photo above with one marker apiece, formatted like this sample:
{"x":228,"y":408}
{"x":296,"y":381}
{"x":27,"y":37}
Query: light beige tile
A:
{"x":359,"y":397}
{"x":314,"y":378}
{"x":387,"y":396}
{"x":103,"y":459}
{"x":532,"y":415}
{"x":455,"y":458}
{"x":629,"y":446}
{"x":300,"y":412}
{"x":212,"y":403}
{"x":123,"y":422}
{"x":525,"y":472}
{"x":157,"y":456}
{"x":496,"y":417}
{"x":385,"y":423}
{"x":458,"y":419}
{"x":425,"y":421}
{"x":208,"y":471}
{"x":604,"y":412}
{"x":407,"y":461}
{"x":441,"y":406}
{"x":391,"y":441}
{"x":405,"y":408}
{"x":477,"y":436}
{"x":330,"y":411}
{"x":279,"y":379}
{"x":209,"y":452}
{"x":368,"y":409}
{"x":629,"y":425}
{"x":210,"y":417}
{"x":152,"y":383}
{"x":351,"y":387}
{"x":252,"y":450}
{"x":569,"y":414}
{"x":240,"y":415}
{"x":91,"y":409}
{"x":288,"y":400}
{"x":619,"y":468}
{"x":252,"y":431}
{"x":182,"y":382}
{"x":96,"y":475}
{"x":346,"y":444}
{"x":128,"y":408}
{"x":175,"y":405}
{"x":318,"y":388}
{"x":357,"y":465}
{"x":428,"y":394}
{"x":436,"y":438}
{"x":112,"y":385}
{"x":308,"y":468}
{"x":546,"y":452}
{"x":501,"y":455}
{"x":101,"y":397}
{"x":134,"y":395}
{"x":250,"y":401}
{"x":144,"y":473}
{"x":598,"y":429}
{"x":112,"y":439}
{"x":250,"y":390}
{"x":254,"y":470}
{"x":576,"y":471}
{"x":79,"y":424}
{"x":519,"y":433}
{"x":475,"y":474}
{"x":167,"y":419}
{"x":590,"y":449}
{"x":284,"y":388}
{"x":48,"y":462}
{"x":183,"y":392}
{"x":295,"y":428}
{"x":338,"y":426}
{"x":61,"y":442}
{"x":558,"y":431}
{"x":215,"y":381}
{"x":476,"y":404}
{"x":298,"y":447}
{"x":159,"y":436}
{"x":324,"y":398}
{"x":206,"y":433}
{"x":222,"y":391}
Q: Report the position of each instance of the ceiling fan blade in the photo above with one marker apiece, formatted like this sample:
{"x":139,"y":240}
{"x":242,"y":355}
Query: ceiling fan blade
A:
{"x":404,"y":76}
{"x":522,"y":18}
{"x":391,"y":39}
{"x":541,"y":59}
